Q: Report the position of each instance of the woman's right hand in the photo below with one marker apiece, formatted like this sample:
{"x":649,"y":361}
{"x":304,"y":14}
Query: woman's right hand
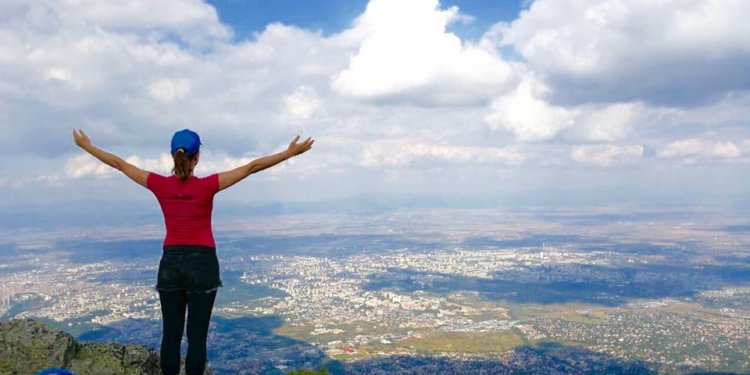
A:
{"x":81,"y":139}
{"x":298,"y":148}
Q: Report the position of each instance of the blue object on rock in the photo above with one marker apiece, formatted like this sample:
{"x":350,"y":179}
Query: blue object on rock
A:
{"x":54,"y":371}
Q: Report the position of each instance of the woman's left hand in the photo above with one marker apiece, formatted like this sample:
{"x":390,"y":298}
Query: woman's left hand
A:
{"x":81,"y":139}
{"x":298,"y":148}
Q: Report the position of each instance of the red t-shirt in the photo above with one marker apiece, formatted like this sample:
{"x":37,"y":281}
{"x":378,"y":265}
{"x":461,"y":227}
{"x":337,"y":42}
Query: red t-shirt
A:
{"x":187,"y":207}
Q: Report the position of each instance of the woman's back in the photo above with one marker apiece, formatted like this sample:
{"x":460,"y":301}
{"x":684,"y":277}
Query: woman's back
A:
{"x":187,"y":206}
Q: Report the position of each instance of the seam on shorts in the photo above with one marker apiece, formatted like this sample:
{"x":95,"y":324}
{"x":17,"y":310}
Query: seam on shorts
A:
{"x":157,"y":288}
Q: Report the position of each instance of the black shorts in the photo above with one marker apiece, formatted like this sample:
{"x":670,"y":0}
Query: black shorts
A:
{"x":194,"y":269}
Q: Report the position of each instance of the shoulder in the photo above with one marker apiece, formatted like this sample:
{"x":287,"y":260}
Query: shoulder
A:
{"x":209,"y":178}
{"x":155,"y":180}
{"x":156,"y":176}
{"x":211,"y":182}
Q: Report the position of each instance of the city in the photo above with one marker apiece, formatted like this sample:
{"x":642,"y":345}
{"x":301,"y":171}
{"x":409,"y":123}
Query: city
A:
{"x":673,"y":310}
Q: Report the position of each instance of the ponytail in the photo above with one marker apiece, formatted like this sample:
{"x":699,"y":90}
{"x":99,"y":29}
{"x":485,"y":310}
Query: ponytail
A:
{"x":182,"y":164}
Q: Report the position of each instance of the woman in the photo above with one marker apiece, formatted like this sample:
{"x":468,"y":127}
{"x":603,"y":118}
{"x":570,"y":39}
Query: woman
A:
{"x":188,"y":275}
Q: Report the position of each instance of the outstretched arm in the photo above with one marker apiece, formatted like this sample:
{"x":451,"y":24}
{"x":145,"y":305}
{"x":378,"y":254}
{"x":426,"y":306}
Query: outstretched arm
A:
{"x":136,"y":174}
{"x":229,"y":178}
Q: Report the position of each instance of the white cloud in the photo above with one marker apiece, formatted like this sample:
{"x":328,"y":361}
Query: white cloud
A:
{"x":169,"y":89}
{"x":695,"y":148}
{"x":213,"y":163}
{"x":302,"y":103}
{"x":86,"y":165}
{"x":193,"y":21}
{"x":593,"y":86}
{"x":606,"y":123}
{"x":528,"y":117}
{"x":606,"y":155}
{"x":670,"y":52}
{"x":49,"y":180}
{"x":127,"y":87}
{"x":725,"y":150}
{"x":58,"y":74}
{"x":402,"y":153}
{"x":163,"y":164}
{"x":407,"y":55}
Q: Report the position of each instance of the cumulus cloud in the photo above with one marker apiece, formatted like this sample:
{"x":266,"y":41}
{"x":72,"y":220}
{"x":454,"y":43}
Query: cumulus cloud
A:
{"x":69,"y":64}
{"x":407,"y":55}
{"x":129,"y":87}
{"x":606,"y":154}
{"x":192,"y":21}
{"x":527,"y":114}
{"x":608,"y":123}
{"x":402,"y":153}
{"x":85,"y":165}
{"x":302,"y":103}
{"x":58,"y":74}
{"x":163,"y":164}
{"x":528,"y":117}
{"x":169,"y":89}
{"x":591,"y":82}
{"x":665,"y":52}
{"x":693,"y":149}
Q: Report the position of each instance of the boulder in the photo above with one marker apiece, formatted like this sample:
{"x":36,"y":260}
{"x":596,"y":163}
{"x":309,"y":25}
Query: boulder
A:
{"x":114,"y":359}
{"x":27,"y":346}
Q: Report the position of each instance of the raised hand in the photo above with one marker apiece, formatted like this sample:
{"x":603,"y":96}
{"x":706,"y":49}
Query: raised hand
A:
{"x":298,"y":148}
{"x":81,"y":139}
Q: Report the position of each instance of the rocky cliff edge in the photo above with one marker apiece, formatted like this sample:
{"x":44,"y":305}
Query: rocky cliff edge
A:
{"x":27,"y":346}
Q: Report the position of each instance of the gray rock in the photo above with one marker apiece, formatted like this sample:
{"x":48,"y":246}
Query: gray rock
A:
{"x":114,"y":359}
{"x":27,"y":346}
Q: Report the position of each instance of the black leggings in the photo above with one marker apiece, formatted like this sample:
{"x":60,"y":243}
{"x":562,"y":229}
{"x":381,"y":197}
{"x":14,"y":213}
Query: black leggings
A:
{"x":199,"y":306}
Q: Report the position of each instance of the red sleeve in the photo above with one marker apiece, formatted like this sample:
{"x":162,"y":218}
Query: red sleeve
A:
{"x":212,"y":183}
{"x":154,"y":181}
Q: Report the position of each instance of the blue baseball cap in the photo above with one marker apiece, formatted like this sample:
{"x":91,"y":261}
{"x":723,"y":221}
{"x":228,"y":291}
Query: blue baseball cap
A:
{"x":54,"y":371}
{"x":186,"y":139}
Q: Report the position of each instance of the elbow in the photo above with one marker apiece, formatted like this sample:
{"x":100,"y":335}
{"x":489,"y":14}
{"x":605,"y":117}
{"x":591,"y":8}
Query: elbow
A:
{"x":120,"y":165}
{"x":251,"y":168}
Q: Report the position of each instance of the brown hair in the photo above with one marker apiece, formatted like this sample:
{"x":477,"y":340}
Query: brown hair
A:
{"x":183,"y":164}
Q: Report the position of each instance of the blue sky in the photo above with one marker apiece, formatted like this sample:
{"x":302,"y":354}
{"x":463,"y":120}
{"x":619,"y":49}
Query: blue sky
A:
{"x":248,"y":17}
{"x":593,"y":102}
